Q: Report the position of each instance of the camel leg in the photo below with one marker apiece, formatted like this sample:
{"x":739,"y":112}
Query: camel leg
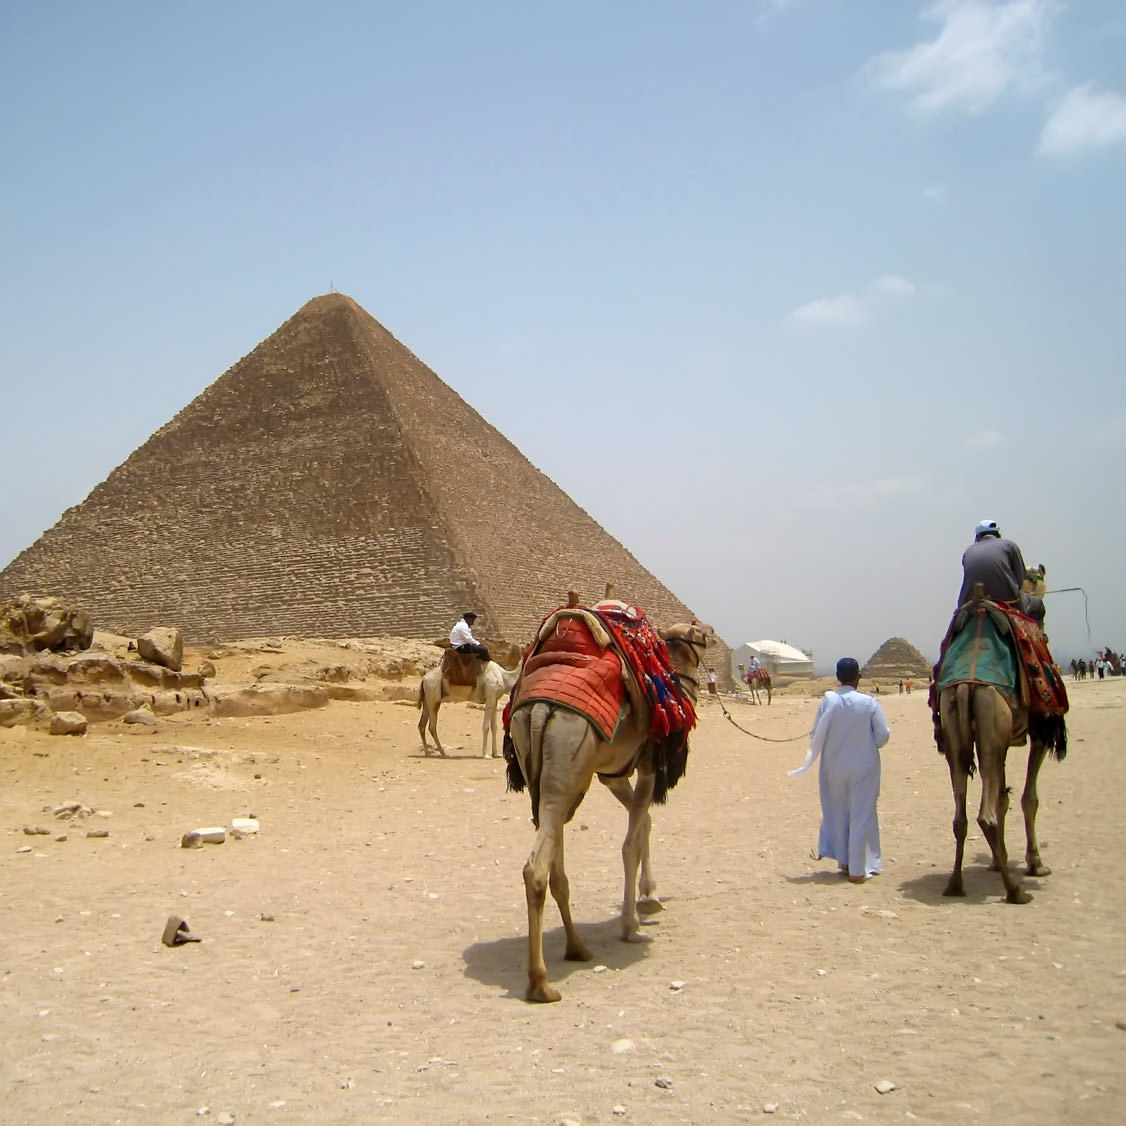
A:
{"x":634,"y":847}
{"x":958,"y":737}
{"x":535,"y":890}
{"x":434,"y":729}
{"x":565,"y":749}
{"x":544,"y":867}
{"x":491,"y":708}
{"x":959,"y":783}
{"x":577,"y":950}
{"x":648,"y":903}
{"x":490,"y":714}
{"x":1029,"y":804}
{"x":429,"y":719}
{"x":993,"y":722}
{"x":991,"y":818}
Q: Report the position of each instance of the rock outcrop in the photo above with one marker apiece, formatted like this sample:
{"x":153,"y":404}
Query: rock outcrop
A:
{"x":31,"y":625}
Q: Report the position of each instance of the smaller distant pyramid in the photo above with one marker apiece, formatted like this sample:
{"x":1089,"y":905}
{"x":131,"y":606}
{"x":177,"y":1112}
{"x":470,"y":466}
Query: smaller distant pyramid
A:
{"x":894,"y":659}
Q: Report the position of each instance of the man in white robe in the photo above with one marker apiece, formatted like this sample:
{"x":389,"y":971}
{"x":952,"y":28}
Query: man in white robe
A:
{"x":848,"y":732}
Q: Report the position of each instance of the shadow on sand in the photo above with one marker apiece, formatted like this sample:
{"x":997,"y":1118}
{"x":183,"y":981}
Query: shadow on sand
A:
{"x":834,"y":878}
{"x":503,"y":962}
{"x":452,"y":756}
{"x":981,"y":883}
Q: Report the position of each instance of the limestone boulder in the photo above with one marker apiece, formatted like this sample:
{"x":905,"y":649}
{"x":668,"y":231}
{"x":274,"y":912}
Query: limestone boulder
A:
{"x":23,"y":712}
{"x":162,"y":646}
{"x":96,"y":683}
{"x":68,"y":723}
{"x":29,"y":625}
{"x":265,"y":699}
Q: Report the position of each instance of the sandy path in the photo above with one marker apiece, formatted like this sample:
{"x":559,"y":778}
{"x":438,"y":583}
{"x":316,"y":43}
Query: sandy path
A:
{"x":799,"y":990}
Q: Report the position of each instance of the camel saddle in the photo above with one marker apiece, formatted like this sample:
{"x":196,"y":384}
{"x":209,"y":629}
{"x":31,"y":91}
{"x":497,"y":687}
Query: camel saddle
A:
{"x":996,"y":644}
{"x":462,"y":669}
{"x":574,"y":665}
{"x":592,"y":659}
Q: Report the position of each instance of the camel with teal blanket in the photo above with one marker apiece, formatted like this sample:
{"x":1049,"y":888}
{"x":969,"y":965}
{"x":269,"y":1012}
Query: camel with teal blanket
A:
{"x":995,"y":686}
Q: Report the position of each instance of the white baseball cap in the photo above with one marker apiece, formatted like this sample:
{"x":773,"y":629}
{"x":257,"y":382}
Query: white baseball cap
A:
{"x":986,"y":528}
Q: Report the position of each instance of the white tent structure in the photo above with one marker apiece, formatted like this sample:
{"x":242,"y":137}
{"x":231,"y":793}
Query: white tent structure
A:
{"x":782,"y":660}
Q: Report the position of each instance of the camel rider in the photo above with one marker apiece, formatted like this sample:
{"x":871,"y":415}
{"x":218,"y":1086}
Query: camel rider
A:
{"x":998,"y":565}
{"x":462,"y":639}
{"x":754,"y":665}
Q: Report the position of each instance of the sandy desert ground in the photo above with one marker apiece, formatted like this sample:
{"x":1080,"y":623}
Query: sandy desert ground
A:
{"x":362,"y":958}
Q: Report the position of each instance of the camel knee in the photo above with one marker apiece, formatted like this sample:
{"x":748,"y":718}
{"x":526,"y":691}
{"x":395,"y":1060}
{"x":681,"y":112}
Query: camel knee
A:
{"x":535,"y":885}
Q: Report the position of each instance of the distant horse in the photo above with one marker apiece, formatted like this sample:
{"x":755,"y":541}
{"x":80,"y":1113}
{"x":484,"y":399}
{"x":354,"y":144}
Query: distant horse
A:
{"x":758,"y":680}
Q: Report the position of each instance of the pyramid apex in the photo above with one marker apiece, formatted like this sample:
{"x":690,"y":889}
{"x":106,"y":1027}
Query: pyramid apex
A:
{"x":331,"y":300}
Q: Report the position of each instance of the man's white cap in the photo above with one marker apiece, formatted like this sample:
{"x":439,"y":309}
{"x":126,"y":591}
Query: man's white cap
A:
{"x":986,"y":527}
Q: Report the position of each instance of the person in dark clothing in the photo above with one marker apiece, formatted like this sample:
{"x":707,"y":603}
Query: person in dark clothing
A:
{"x":998,"y":565}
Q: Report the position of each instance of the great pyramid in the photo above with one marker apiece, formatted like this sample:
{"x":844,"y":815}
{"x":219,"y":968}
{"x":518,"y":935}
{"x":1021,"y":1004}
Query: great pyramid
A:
{"x":329,"y":485}
{"x":894,"y":659}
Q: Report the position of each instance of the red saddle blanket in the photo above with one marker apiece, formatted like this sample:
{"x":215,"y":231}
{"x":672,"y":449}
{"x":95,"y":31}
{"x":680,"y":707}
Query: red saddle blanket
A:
{"x":1045,"y":689}
{"x":570,"y":668}
{"x":592,"y":675}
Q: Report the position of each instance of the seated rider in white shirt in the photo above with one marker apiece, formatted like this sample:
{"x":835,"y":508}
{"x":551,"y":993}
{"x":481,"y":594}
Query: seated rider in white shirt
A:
{"x":462,"y":639}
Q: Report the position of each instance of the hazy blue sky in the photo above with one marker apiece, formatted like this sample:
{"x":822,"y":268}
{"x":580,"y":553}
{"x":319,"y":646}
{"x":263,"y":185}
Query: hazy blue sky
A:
{"x":836,"y":279}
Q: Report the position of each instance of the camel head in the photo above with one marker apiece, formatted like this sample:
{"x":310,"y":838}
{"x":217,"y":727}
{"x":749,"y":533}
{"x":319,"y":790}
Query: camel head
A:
{"x":688,"y":640}
{"x":1034,"y":581}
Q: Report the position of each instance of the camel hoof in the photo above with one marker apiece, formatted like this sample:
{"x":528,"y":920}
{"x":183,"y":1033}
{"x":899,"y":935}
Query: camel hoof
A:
{"x":650,"y":905}
{"x":636,"y":936}
{"x":1018,"y":895}
{"x":1039,"y":870}
{"x":542,"y":994}
{"x":497,"y":754}
{"x":578,"y":953}
{"x":954,"y":888}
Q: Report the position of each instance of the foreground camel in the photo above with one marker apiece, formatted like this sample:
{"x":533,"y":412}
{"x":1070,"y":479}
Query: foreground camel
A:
{"x":493,"y":682}
{"x":977,"y":715}
{"x":559,"y":753}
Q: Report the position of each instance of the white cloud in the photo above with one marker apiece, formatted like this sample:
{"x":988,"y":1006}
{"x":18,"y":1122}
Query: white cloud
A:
{"x":896,"y":286}
{"x":984,"y":440}
{"x":1085,"y":119}
{"x":848,"y":309}
{"x":982,"y":51}
{"x":841,"y":311}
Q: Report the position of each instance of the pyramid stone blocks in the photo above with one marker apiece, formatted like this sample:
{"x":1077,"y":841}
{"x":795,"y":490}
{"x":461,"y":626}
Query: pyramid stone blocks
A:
{"x":329,"y":485}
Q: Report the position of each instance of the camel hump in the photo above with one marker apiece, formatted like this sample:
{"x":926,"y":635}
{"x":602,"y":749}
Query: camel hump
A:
{"x":462,"y":669}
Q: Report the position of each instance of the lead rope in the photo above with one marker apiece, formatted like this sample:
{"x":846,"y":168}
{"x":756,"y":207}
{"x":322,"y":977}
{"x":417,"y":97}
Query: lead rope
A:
{"x":764,"y":738}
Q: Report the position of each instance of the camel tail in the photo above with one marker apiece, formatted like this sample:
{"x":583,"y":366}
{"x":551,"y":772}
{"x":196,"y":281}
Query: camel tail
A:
{"x":963,"y":718}
{"x":515,"y":781}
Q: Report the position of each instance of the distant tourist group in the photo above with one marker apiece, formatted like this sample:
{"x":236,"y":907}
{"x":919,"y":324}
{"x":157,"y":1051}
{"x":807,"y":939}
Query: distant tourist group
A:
{"x":1102,"y":665}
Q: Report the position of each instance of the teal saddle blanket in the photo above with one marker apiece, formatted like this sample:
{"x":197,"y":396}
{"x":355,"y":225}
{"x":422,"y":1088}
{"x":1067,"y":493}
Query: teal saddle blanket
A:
{"x":981,"y":653}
